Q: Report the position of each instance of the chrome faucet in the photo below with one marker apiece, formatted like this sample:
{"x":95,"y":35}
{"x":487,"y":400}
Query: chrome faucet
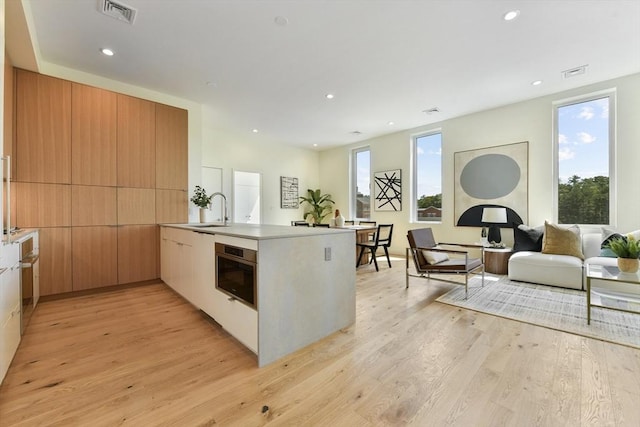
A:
{"x":224,"y":199}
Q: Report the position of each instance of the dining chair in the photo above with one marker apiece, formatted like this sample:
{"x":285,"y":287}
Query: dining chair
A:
{"x":441,"y":258}
{"x":382,"y":240}
{"x":300,"y":223}
{"x":367,"y":223}
{"x":321,"y":225}
{"x":349,"y":222}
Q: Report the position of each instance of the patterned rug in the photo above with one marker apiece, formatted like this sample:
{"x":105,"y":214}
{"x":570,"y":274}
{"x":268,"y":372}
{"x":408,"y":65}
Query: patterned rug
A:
{"x":554,"y":308}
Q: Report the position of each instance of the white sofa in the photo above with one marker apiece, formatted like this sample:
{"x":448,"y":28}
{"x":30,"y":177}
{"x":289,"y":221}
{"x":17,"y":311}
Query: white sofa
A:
{"x":558,"y":270}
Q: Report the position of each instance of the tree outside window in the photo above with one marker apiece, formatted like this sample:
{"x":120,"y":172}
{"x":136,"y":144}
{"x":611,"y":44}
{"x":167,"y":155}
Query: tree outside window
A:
{"x":428,"y":177}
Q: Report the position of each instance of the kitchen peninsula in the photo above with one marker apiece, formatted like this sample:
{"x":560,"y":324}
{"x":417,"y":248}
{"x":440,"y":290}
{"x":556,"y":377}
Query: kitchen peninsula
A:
{"x":304,"y":281}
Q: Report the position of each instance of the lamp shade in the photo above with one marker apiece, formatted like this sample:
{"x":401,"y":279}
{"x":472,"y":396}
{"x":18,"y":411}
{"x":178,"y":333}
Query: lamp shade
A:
{"x":494,"y":215}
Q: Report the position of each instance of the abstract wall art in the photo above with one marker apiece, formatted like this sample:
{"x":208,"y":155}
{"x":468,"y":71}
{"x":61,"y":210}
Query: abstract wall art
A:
{"x":289,"y":193}
{"x":493,"y":176}
{"x":387,"y":187}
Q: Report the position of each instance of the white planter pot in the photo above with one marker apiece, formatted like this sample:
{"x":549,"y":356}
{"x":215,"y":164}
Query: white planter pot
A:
{"x":203,"y":215}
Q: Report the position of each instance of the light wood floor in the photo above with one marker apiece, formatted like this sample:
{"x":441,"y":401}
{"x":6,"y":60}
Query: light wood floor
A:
{"x":144,"y":357}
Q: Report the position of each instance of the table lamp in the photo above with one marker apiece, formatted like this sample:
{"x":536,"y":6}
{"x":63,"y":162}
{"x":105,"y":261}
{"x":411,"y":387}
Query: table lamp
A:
{"x":492,"y":217}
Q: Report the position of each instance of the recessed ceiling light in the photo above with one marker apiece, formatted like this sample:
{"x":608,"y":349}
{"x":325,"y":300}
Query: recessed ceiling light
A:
{"x":315,"y":145}
{"x":329,"y":96}
{"x":390,"y":123}
{"x":536,"y":82}
{"x":281,"y":21}
{"x":255,"y":131}
{"x":106,"y":51}
{"x":511,"y":15}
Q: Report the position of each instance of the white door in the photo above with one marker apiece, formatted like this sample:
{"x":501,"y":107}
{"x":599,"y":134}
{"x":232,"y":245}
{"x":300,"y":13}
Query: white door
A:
{"x":246,"y":197}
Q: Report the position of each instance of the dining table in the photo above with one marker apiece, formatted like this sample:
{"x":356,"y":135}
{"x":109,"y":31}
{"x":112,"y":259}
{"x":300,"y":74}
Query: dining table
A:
{"x":363,"y":234}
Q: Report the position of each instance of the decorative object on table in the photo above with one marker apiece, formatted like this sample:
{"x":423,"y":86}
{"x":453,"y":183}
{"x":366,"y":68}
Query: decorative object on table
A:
{"x":492,"y":217}
{"x":201,"y":200}
{"x":319,"y":203}
{"x":627,"y":249}
{"x":388,"y":190}
{"x":493,"y":176}
{"x":289,"y":198}
{"x":483,"y":237}
{"x":338,"y":219}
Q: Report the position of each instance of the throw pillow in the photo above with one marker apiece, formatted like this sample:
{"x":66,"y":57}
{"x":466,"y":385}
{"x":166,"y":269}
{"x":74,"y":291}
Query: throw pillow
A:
{"x":526,"y":238}
{"x":562,"y":241}
{"x":607,"y":235}
{"x":435,"y":257}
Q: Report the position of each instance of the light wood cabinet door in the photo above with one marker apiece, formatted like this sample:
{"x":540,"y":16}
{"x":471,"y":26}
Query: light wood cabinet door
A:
{"x":42,"y":205}
{"x":172,"y":140}
{"x":43,"y":128}
{"x":93,"y":136}
{"x":55,"y":261}
{"x":93,"y":205}
{"x":137,"y":253}
{"x":172,"y":207}
{"x":95,"y":257}
{"x":136,"y":206}
{"x":136,"y":145}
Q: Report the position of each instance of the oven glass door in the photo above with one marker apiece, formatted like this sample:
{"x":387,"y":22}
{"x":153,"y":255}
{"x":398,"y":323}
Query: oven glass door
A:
{"x":236,"y":278}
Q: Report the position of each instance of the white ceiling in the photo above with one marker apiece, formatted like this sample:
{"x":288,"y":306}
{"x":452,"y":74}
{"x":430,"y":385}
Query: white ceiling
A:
{"x":385,"y":60}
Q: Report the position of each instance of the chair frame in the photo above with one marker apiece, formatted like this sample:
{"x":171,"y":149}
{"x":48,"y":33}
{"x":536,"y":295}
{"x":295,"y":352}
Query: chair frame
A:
{"x":374,"y":245}
{"x":426,"y":271}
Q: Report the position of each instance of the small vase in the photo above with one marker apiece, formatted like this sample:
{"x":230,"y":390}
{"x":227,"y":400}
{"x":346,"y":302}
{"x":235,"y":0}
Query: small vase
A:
{"x":203,"y":215}
{"x":628,"y":265}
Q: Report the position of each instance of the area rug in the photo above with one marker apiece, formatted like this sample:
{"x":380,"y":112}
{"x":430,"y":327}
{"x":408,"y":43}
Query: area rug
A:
{"x":555,"y":308}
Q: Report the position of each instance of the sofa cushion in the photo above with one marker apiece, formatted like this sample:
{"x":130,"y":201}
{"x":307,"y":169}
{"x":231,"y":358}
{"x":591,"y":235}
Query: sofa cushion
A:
{"x":608,"y":234}
{"x":561,"y":241}
{"x":526,"y":238}
{"x":547,"y":269}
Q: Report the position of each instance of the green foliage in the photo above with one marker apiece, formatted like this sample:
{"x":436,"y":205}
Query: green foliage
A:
{"x":625,"y":247}
{"x":426,"y":201}
{"x":320,"y":205}
{"x":584,"y":201}
{"x":200,"y":198}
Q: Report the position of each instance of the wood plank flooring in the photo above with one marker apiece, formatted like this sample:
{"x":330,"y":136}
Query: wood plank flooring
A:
{"x":144,"y":357}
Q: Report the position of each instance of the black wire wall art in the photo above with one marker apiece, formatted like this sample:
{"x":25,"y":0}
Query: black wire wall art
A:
{"x":388,"y":190}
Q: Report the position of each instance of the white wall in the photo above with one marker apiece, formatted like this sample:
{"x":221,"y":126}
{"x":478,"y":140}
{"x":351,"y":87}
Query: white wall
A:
{"x":525,"y":121}
{"x":251,"y":153}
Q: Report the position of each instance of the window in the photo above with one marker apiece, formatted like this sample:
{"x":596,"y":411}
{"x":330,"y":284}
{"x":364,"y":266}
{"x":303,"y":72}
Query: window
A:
{"x":361,"y":183}
{"x":427,"y":185}
{"x":584,"y":141}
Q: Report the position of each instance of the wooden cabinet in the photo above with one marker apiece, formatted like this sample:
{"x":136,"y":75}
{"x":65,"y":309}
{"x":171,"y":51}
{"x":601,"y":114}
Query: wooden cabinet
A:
{"x":55,"y":261}
{"x":42,"y":205}
{"x":93,"y":136}
{"x":10,"y":305}
{"x":136,"y":142}
{"x":172,"y":206}
{"x":95,"y":257}
{"x":171,"y":148}
{"x":177,"y":261}
{"x":43,"y":128}
{"x":137,"y":253}
{"x":136,"y":206}
{"x":9,"y":91}
{"x":93,"y":205}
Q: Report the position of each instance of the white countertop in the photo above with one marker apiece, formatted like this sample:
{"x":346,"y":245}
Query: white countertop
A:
{"x":259,"y":231}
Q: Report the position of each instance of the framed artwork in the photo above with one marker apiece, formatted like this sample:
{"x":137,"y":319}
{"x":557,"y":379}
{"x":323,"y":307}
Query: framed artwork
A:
{"x":491,"y":177}
{"x":289,"y":193}
{"x":387,"y":188}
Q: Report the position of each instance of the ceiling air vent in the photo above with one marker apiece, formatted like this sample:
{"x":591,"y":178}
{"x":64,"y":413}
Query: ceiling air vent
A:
{"x":574,"y":71}
{"x":120,"y":11}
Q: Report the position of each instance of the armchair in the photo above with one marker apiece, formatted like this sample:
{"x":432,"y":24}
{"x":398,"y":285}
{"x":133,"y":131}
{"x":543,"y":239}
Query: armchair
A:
{"x":431,"y":257}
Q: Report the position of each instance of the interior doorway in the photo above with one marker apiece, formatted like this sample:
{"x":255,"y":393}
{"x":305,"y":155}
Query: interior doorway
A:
{"x":246,"y":197}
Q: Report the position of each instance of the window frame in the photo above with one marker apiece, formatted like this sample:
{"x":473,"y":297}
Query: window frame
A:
{"x":611,"y":95}
{"x":354,"y":181}
{"x":414,"y":175}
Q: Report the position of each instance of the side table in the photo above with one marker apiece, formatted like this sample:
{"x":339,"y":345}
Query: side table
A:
{"x":496,"y":260}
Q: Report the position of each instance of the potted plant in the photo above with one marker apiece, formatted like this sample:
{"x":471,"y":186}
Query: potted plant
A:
{"x":201,"y":200}
{"x":320,"y":205}
{"x":627,"y":249}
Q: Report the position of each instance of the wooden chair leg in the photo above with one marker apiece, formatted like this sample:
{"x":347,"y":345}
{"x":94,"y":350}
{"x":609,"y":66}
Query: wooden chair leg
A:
{"x":386,"y":252}
{"x":362,"y":249}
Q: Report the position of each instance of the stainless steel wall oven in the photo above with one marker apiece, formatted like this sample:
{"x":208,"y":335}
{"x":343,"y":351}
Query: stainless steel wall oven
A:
{"x":236,"y":271}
